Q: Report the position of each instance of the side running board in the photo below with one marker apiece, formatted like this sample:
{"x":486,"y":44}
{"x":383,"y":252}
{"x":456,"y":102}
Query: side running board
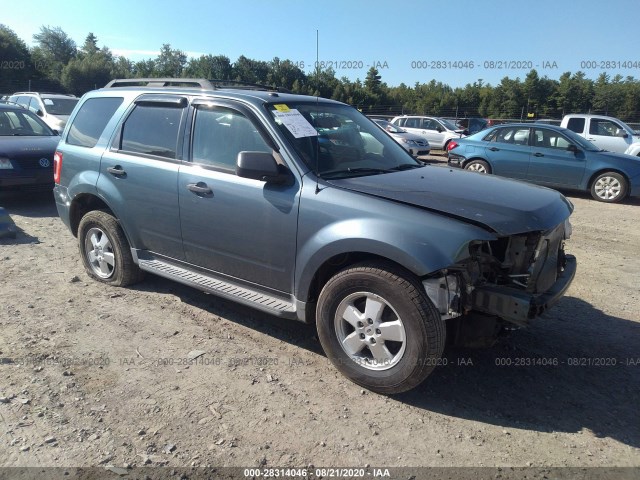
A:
{"x":223,"y":288}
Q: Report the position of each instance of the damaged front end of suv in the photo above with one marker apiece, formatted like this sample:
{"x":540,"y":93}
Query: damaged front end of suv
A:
{"x":503,"y":283}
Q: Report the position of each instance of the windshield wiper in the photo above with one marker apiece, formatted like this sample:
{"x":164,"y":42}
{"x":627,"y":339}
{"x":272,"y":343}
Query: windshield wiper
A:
{"x":406,"y":166}
{"x":356,"y":171}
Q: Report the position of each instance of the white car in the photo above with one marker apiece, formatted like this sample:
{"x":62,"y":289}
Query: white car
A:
{"x":634,"y":149}
{"x":53,"y":108}
{"x":416,"y":145}
{"x":438,"y":131}
{"x":607,"y":133}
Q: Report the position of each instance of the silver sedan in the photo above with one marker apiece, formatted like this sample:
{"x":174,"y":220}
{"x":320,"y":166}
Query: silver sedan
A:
{"x":416,"y":145}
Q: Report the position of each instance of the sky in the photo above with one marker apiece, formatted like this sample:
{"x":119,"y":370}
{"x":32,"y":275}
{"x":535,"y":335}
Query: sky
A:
{"x":408,"y":41}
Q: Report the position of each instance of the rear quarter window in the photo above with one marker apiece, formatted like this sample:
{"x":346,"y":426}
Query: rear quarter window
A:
{"x":91,"y":119}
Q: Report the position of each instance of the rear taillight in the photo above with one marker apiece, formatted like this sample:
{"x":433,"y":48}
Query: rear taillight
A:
{"x":452,"y":144}
{"x":57,"y":167}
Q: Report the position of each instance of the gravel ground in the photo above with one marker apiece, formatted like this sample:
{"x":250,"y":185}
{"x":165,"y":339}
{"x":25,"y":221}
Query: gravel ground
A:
{"x":94,"y":375}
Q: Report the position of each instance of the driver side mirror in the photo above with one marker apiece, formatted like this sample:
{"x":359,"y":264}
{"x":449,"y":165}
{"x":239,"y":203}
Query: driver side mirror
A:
{"x":40,"y":113}
{"x":573,"y":148}
{"x":439,"y":129}
{"x":262,"y":166}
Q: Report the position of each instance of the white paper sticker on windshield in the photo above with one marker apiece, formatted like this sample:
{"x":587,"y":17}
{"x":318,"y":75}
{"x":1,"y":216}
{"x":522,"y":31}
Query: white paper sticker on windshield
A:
{"x":47,"y":101}
{"x":296,"y":123}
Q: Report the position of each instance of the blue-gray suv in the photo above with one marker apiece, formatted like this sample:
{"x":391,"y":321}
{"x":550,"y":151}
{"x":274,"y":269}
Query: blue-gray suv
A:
{"x":303,"y":208}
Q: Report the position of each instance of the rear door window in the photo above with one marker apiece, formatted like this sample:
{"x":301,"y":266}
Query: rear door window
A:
{"x":152,"y":129}
{"x":512,"y":135}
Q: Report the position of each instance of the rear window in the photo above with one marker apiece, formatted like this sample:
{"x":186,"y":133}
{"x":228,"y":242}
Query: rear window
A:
{"x":89,"y":122}
{"x":59,"y":106}
{"x":576,"y":124}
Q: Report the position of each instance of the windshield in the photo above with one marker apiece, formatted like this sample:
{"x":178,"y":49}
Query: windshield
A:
{"x":59,"y":106}
{"x":20,"y":123}
{"x":629,"y":129}
{"x":448,"y":125}
{"x":580,"y":141}
{"x":337,"y":141}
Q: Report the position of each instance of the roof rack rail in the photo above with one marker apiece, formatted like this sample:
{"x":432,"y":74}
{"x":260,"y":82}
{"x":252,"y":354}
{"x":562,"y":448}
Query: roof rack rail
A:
{"x":213,"y":84}
{"x":248,"y":85}
{"x":44,"y":93}
{"x":161,"y":82}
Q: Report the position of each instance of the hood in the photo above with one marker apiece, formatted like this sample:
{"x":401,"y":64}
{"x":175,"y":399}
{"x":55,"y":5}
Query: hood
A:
{"x":616,"y":156}
{"x":503,"y":206}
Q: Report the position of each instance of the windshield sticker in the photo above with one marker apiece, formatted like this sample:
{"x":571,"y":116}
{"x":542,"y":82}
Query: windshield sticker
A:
{"x":296,"y":123}
{"x":281,"y":107}
{"x":47,"y":101}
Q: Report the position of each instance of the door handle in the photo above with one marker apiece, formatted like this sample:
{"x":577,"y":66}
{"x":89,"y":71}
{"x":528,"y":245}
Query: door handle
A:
{"x":200,"y":188}
{"x":538,"y":154}
{"x":494,"y":149}
{"x":116,"y":170}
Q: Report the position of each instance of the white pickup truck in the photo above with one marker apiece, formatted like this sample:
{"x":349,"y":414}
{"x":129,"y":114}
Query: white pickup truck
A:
{"x":607,"y":133}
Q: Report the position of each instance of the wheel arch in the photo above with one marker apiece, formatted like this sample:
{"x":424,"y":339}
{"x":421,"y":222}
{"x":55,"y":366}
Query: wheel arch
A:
{"x":335,"y":264}
{"x":81,"y":205}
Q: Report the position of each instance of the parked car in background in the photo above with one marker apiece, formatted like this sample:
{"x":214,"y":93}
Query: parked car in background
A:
{"x":634,"y":149}
{"x":607,"y":133}
{"x":438,"y":131}
{"x":416,"y":145}
{"x":53,"y":108}
{"x":472,"y":125}
{"x":551,"y":156}
{"x":27,"y":146}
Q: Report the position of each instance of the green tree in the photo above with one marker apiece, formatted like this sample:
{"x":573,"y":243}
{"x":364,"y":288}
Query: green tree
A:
{"x":284,"y":73}
{"x":170,"y":62}
{"x":210,"y":67}
{"x":250,"y":71}
{"x":17,"y":60}
{"x":574,"y":93}
{"x":372,"y":81}
{"x":90,"y":46}
{"x":53,"y":51}
{"x":92,"y":69}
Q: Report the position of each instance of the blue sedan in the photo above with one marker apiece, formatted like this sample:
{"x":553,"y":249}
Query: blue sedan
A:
{"x":550,"y":156}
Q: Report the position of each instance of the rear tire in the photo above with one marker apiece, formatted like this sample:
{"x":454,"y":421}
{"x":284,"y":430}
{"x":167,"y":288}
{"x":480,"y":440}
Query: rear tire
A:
{"x":105,"y":251}
{"x":479,"y":166}
{"x":609,"y":187}
{"x":378,"y":327}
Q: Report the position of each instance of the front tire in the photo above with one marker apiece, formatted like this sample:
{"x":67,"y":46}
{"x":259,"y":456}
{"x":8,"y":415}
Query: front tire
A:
{"x":609,"y":187}
{"x":378,"y":327}
{"x":105,"y":251}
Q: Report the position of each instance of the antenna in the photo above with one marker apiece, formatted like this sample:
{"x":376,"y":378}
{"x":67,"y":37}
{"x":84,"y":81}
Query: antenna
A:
{"x":317,"y":172}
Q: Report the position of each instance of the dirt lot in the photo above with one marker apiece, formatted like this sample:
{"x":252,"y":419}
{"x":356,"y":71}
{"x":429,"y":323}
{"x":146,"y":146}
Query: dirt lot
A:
{"x":95,"y":375}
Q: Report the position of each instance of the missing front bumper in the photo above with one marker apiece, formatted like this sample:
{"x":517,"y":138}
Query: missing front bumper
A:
{"x":517,"y":306}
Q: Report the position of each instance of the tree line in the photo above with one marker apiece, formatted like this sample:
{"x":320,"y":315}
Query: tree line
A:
{"x":56,"y":63}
